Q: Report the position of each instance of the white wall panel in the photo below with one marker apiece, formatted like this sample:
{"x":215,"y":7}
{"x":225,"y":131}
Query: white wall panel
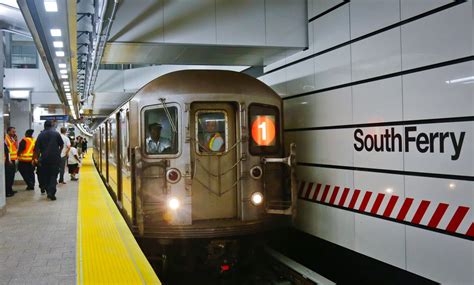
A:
{"x":373,"y":159}
{"x":370,"y":15}
{"x":323,"y":146}
{"x":331,"y":29}
{"x":321,"y":6}
{"x":285,"y":23}
{"x":179,"y":27}
{"x":443,"y":258}
{"x":437,"y":162}
{"x":377,"y":55}
{"x":277,"y":81}
{"x":411,"y":8}
{"x":332,"y":224}
{"x":300,"y":77}
{"x":432,"y":94}
{"x":110,"y":81}
{"x":240,"y":22}
{"x":378,"y":101}
{"x":322,"y":109}
{"x":440,"y":37}
{"x":333,"y":68}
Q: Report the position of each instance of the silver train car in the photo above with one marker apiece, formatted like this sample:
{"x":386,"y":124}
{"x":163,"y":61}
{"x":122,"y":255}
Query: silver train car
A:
{"x":198,"y":154}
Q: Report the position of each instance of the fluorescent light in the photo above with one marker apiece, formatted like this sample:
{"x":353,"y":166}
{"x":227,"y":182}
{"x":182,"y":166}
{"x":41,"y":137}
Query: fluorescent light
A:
{"x":67,"y":89}
{"x":64,"y":76}
{"x":62,"y":65}
{"x":59,"y":53}
{"x":65,"y":83}
{"x":50,"y":6}
{"x":55,"y":32}
{"x":63,"y":71}
{"x":68,"y":93}
{"x":58,"y":44}
{"x":19,"y":94}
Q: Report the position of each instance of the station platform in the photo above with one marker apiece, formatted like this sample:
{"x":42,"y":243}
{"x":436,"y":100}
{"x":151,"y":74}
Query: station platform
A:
{"x":80,"y":238}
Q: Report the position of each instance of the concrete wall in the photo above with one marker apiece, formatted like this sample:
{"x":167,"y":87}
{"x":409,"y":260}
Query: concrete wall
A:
{"x":372,"y":66}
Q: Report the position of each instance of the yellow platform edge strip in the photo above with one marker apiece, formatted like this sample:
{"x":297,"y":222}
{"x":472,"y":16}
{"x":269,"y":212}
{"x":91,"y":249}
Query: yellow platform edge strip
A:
{"x":107,"y":252}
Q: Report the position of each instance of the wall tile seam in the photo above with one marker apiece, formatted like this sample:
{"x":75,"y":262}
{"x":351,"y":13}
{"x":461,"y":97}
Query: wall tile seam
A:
{"x":328,"y":10}
{"x":359,"y":201}
{"x":385,"y":76}
{"x":368,"y":35}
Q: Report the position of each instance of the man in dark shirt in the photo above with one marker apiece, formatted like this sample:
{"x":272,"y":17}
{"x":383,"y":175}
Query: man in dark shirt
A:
{"x":48,"y":156}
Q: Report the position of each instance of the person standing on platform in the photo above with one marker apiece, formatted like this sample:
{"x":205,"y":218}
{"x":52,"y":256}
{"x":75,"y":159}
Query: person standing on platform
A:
{"x":84,"y":147}
{"x":25,"y":159}
{"x":48,"y":156}
{"x":10,"y":167}
{"x":73,"y":163}
{"x":7,"y":162}
{"x":64,"y":154}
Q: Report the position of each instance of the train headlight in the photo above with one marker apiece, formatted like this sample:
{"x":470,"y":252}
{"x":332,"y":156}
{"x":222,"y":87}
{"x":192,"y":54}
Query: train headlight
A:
{"x":173,"y":175}
{"x":173,"y":203}
{"x":256,"y":198}
{"x":256,"y":172}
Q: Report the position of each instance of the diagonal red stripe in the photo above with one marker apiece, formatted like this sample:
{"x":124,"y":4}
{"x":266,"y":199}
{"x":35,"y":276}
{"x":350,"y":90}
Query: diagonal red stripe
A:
{"x":420,"y":212}
{"x":334,"y":194}
{"x":405,"y":207}
{"x":308,"y":190}
{"x":365,"y":201}
{"x":377,"y":203}
{"x":325,"y":193}
{"x":438,"y":214}
{"x":391,"y":204}
{"x":354,"y":198}
{"x":301,"y":189}
{"x":457,"y":218}
{"x":343,"y":197}
{"x":315,"y":194}
{"x":470,"y":231}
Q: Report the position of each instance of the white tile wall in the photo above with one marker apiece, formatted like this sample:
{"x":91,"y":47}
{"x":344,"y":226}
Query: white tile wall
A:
{"x":377,"y":55}
{"x":440,"y":37}
{"x":331,"y":29}
{"x":370,"y":15}
{"x":321,"y":6}
{"x":283,"y":21}
{"x":411,"y":8}
{"x":439,"y":98}
{"x":324,"y":109}
{"x":333,"y":68}
{"x":300,"y":77}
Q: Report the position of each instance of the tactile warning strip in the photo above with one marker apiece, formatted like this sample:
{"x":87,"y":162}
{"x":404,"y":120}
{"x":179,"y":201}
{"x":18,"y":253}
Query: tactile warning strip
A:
{"x":107,"y":252}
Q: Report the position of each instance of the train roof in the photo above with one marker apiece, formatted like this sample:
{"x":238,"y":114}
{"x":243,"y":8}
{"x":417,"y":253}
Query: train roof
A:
{"x":197,"y":82}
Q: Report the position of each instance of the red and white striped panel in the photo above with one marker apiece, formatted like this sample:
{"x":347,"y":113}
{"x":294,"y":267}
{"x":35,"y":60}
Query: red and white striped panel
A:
{"x":441,"y":217}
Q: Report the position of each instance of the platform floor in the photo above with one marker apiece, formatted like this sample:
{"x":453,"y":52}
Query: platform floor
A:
{"x":38,"y":237}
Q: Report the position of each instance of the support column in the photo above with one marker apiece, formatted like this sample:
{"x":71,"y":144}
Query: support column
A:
{"x":2,"y":133}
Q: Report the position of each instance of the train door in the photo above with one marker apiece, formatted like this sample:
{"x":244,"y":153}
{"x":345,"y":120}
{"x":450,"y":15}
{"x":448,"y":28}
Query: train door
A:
{"x":125,"y":165}
{"x":214,"y":160}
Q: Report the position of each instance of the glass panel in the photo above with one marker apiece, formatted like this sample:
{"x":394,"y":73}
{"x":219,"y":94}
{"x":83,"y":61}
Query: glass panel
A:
{"x":160,"y":138}
{"x":211,"y":131}
{"x":264,"y":129}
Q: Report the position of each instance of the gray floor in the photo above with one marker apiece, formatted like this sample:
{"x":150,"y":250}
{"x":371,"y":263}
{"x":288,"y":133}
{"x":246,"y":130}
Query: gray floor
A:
{"x":38,"y":237}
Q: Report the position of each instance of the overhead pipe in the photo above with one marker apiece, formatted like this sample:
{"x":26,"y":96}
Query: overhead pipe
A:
{"x":99,"y":50}
{"x":11,"y":20}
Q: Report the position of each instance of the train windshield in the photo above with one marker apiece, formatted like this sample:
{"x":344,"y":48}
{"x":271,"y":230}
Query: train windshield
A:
{"x":211,"y":131}
{"x":264,"y":129}
{"x":159,"y":136}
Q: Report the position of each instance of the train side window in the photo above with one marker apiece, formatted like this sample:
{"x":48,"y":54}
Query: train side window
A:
{"x":264,"y":129}
{"x":160,"y":137}
{"x":211,"y":132}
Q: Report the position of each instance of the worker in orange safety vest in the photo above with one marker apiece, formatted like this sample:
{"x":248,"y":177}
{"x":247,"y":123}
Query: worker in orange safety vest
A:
{"x":25,"y":159}
{"x":10,"y":166}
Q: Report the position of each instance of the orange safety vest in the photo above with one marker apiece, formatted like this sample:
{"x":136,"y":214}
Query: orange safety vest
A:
{"x":27,"y":154}
{"x":11,"y":147}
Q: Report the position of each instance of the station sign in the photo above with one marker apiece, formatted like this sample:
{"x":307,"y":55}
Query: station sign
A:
{"x":55,"y":117}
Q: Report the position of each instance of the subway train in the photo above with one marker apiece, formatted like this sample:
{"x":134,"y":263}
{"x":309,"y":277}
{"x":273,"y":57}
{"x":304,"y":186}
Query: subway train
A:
{"x":196,"y":163}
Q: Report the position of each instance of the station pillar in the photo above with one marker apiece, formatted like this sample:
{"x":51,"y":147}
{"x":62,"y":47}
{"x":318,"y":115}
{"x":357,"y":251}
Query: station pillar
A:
{"x":2,"y":132}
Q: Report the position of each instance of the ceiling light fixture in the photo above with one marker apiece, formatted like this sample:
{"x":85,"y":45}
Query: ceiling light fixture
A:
{"x":50,"y":6}
{"x":65,"y":83}
{"x":19,"y":94}
{"x":58,"y":44}
{"x":63,"y":71}
{"x":62,"y":65}
{"x":55,"y":32}
{"x":64,"y":76}
{"x":60,"y":53}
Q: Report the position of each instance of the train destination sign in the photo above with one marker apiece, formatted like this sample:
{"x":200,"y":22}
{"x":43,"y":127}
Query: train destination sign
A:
{"x":263,"y":130}
{"x":391,"y":141}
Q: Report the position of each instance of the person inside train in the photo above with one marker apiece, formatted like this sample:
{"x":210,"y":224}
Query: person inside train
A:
{"x":25,"y":160}
{"x":211,"y":140}
{"x":155,"y":143}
